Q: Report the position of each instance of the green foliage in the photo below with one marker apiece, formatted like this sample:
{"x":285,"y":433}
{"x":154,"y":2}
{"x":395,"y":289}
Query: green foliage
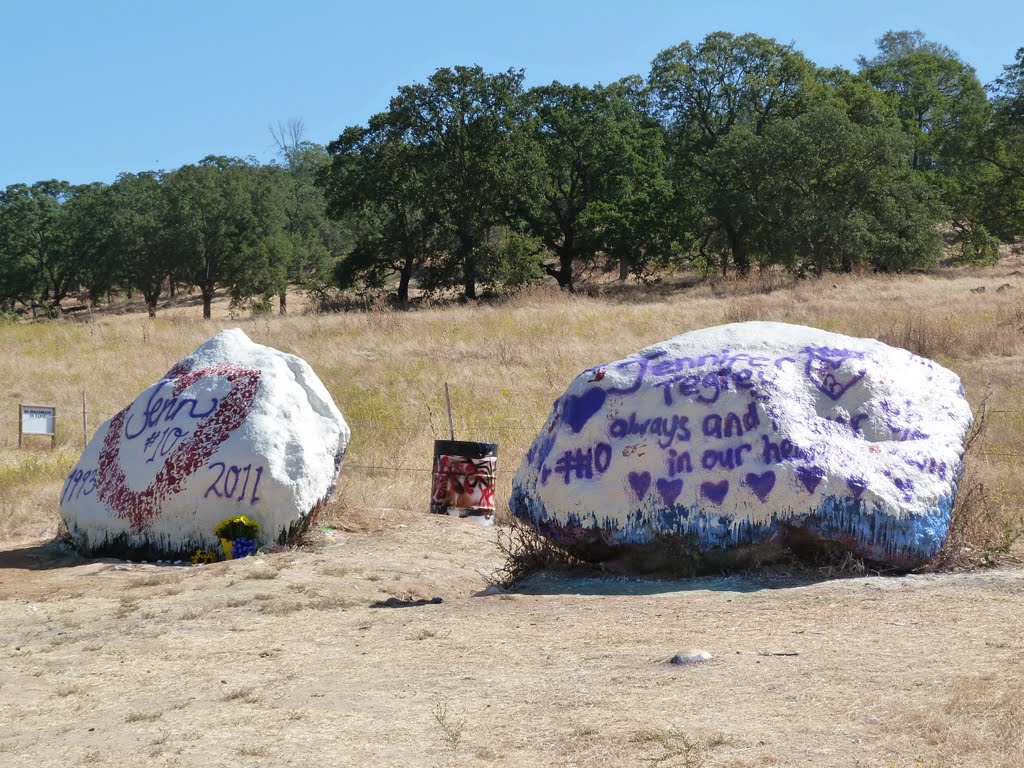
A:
{"x":227,"y":216}
{"x":313,"y":239}
{"x":939,"y":99}
{"x":36,"y":244}
{"x":461,"y":125}
{"x":597,"y":168}
{"x":976,"y":245}
{"x":378,"y":181}
{"x":703,"y":95}
{"x":1002,"y":207}
{"x":141,"y":238}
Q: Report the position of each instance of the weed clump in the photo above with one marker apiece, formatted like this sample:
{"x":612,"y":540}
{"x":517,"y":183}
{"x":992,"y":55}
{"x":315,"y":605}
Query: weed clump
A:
{"x":527,"y":553}
{"x":981,"y":532}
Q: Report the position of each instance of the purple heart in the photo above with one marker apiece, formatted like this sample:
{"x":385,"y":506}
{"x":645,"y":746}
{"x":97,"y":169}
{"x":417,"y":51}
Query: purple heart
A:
{"x":857,"y":486}
{"x":823,"y":370}
{"x":670,"y":490}
{"x":810,"y":477}
{"x":640,"y":482}
{"x":761,"y":485}
{"x":577,"y":409}
{"x":715,"y":492}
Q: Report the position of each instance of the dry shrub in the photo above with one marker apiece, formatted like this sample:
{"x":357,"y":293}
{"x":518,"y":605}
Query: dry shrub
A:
{"x":980,"y":531}
{"x":340,"y":515}
{"x":746,"y":310}
{"x":543,"y":296}
{"x":526,"y":553}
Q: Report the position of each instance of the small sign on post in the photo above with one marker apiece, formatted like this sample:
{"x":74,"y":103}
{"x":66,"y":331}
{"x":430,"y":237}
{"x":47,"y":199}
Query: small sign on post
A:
{"x":37,"y":420}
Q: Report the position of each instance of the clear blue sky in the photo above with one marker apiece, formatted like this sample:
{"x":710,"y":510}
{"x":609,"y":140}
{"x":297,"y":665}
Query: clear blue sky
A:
{"x":91,"y":88}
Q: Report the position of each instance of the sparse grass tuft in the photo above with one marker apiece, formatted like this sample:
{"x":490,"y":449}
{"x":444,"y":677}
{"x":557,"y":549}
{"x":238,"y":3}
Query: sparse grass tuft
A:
{"x":451,"y":725}
{"x":247,"y":694}
{"x":142,"y":717}
{"x":669,"y":747}
{"x":261,"y":573}
{"x":65,"y":689}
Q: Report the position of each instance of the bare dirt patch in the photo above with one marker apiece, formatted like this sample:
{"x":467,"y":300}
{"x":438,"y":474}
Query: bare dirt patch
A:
{"x":281,"y":660}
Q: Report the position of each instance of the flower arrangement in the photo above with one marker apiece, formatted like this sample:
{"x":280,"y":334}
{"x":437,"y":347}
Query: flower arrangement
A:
{"x":238,"y":527}
{"x":204,"y":556}
{"x":237,"y":536}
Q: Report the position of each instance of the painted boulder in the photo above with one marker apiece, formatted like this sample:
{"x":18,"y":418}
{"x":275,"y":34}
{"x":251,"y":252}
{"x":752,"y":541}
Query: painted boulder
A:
{"x":726,"y":445}
{"x":233,"y":429}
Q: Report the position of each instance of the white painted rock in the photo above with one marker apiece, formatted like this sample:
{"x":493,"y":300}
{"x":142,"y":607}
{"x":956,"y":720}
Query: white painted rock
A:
{"x":722,"y":445}
{"x":235,"y":428}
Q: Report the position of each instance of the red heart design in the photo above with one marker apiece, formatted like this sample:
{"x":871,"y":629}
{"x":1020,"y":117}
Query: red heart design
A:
{"x":189,"y":456}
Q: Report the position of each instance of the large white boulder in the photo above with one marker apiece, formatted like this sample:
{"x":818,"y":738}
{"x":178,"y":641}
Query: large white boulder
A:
{"x":235,"y":428}
{"x":726,"y":444}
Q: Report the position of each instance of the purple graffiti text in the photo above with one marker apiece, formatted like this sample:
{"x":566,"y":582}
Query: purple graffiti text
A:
{"x":666,"y":428}
{"x":583,"y":464}
{"x":731,"y":424}
{"x":726,"y":458}
{"x":706,"y":388}
{"x":158,"y":409}
{"x":774,"y":453}
{"x":679,"y":463}
{"x":226,"y":486}
{"x":79,"y":483}
{"x":161,"y":443}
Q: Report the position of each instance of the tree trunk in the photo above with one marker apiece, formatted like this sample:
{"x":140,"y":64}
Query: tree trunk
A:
{"x":740,"y":255}
{"x":207,"y":301}
{"x":468,"y":267}
{"x":623,"y":269}
{"x":151,"y":299}
{"x":404,"y":276}
{"x":282,"y":303}
{"x":563,"y":275}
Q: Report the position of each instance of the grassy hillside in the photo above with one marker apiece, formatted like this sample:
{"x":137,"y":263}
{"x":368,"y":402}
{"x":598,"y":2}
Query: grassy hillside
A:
{"x":505,"y":362}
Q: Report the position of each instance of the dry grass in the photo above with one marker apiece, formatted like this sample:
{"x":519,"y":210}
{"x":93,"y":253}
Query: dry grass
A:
{"x":981,"y":715}
{"x":506,"y":362}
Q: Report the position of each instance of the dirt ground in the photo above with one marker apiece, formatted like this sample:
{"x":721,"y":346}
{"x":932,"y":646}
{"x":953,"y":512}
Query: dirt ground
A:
{"x":283,"y":660}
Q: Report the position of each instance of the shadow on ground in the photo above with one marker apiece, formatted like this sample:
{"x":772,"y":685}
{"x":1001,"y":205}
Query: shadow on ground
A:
{"x":548,"y":583}
{"x":41,"y":557}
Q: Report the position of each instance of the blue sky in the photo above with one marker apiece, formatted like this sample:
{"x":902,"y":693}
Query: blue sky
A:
{"x":89,"y":89}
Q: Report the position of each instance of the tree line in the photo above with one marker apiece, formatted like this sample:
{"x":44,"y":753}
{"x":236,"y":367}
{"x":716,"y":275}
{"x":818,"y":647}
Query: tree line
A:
{"x":734,"y":153}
